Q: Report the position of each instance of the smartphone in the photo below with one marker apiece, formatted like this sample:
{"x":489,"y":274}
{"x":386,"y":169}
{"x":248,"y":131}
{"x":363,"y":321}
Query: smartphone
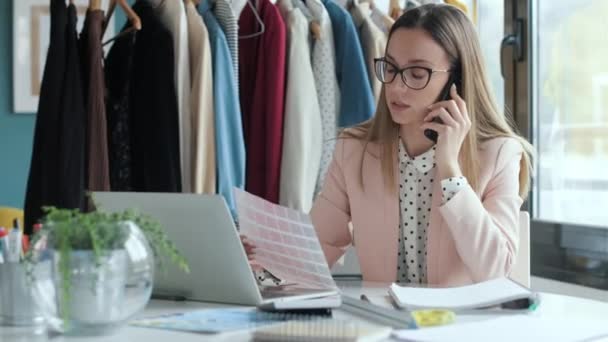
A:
{"x":443,"y":96}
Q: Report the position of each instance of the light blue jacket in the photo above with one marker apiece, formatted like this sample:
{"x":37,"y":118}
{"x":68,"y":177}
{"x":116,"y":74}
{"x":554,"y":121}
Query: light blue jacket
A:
{"x":356,"y":98}
{"x":229,"y":140}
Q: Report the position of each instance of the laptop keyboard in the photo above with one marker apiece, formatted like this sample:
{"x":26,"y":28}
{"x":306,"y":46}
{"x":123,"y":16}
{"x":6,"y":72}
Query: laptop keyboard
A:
{"x":287,"y":291}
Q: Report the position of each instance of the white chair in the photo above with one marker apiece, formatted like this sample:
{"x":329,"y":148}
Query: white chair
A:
{"x":521,"y":269}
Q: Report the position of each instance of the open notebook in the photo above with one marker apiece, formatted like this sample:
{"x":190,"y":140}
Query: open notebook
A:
{"x":497,"y":292}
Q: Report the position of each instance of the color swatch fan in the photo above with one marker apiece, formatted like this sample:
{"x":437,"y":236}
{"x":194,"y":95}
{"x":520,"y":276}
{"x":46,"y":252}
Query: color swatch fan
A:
{"x":286,"y":241}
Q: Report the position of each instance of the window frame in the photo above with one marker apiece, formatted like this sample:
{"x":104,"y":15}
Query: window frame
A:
{"x":566,"y":252}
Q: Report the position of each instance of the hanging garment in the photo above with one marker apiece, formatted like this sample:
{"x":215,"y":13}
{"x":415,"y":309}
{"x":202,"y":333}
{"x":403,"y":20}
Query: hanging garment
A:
{"x":373,"y":41}
{"x":395,"y":10}
{"x":302,"y":137}
{"x":326,"y":83}
{"x":57,"y":167}
{"x":262,"y":80}
{"x":172,"y":14}
{"x":118,"y":69}
{"x":356,"y":99}
{"x":154,"y":125}
{"x":228,"y":21}
{"x":457,"y":3}
{"x":203,"y":121}
{"x":382,"y":20}
{"x":97,"y":175}
{"x":409,"y":4}
{"x":229,"y":142}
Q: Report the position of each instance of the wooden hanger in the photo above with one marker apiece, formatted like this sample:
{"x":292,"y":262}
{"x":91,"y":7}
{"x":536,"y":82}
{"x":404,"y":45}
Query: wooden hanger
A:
{"x":387,"y":20}
{"x":315,"y":24}
{"x":371,"y":3}
{"x":315,"y":28}
{"x":394,"y":9}
{"x":94,"y":5}
{"x":131,"y":15}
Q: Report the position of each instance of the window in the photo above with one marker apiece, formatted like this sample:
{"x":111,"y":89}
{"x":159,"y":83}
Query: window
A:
{"x":490,"y":19}
{"x":572,"y":112}
{"x":559,"y":93}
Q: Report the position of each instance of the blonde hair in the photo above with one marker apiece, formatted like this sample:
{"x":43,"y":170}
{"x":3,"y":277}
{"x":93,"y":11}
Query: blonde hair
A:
{"x":451,"y":29}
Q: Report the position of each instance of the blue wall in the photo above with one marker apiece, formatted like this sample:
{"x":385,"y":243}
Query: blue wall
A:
{"x":16,"y":130}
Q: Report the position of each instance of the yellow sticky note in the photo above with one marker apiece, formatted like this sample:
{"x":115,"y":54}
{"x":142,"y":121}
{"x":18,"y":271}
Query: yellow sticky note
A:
{"x":429,"y":318}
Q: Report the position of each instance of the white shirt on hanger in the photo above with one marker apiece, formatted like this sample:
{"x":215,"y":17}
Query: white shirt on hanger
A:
{"x":173,"y":15}
{"x":324,"y":70}
{"x":302,"y":137}
{"x":183,"y":90}
{"x":373,"y":41}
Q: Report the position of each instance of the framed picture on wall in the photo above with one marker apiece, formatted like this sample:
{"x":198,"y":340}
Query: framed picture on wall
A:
{"x":31,"y":35}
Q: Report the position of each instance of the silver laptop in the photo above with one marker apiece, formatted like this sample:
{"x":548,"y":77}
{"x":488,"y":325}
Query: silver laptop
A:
{"x":203,"y":230}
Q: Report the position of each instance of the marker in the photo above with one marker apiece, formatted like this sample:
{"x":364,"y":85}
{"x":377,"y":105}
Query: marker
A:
{"x":25,"y":244}
{"x":3,"y":251}
{"x":14,"y":244}
{"x":37,"y":227}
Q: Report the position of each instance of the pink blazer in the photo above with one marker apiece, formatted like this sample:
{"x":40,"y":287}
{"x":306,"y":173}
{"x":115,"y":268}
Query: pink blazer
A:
{"x":473,"y":237}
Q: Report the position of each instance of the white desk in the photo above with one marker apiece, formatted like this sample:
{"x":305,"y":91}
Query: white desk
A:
{"x":551,"y":305}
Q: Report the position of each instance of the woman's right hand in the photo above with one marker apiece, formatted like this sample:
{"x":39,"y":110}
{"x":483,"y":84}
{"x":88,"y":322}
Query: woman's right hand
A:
{"x":249,"y":247}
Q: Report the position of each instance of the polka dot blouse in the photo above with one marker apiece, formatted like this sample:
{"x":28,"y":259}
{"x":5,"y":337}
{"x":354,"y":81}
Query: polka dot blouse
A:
{"x":416,"y":177}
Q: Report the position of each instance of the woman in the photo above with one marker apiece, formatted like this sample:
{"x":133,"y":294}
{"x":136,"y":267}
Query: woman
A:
{"x":445,"y":212}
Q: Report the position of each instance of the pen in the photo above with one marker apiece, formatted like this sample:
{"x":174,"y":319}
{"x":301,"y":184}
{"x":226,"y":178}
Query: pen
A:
{"x":390,"y":299}
{"x":25,"y":244}
{"x":14,"y":244}
{"x":393,"y":302}
{"x":2,"y":234}
{"x":378,"y":314}
{"x":365,"y":299}
{"x":41,"y":243}
{"x":4,"y":243}
{"x":37,"y":227}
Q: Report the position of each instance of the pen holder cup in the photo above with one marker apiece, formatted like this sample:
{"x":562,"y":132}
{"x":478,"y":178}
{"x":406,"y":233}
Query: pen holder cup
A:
{"x":17,"y":305}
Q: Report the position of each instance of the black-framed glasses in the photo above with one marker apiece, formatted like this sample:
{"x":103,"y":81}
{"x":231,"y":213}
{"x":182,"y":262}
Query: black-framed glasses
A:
{"x":415,"y":77}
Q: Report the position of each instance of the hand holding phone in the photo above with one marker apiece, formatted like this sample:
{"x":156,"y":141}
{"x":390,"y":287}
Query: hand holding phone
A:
{"x":443,"y":96}
{"x":453,"y":131}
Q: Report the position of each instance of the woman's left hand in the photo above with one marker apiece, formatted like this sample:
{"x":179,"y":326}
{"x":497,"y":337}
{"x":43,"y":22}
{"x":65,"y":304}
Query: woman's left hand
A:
{"x":451,"y":133}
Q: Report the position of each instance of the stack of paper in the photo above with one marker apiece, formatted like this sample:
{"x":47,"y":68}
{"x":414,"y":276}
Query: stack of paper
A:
{"x":480,"y":295}
{"x":512,"y":328}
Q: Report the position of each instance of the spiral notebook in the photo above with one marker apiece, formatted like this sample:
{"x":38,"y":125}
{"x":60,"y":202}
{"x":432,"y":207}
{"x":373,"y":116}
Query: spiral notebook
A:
{"x":497,"y":292}
{"x":325,"y":330}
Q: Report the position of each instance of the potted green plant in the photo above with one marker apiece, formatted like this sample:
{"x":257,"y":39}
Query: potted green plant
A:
{"x":95,"y":270}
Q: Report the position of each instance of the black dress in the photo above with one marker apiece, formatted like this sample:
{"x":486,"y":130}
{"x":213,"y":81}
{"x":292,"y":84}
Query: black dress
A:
{"x":144,"y":66}
{"x":118,"y":70}
{"x":57,"y":166}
